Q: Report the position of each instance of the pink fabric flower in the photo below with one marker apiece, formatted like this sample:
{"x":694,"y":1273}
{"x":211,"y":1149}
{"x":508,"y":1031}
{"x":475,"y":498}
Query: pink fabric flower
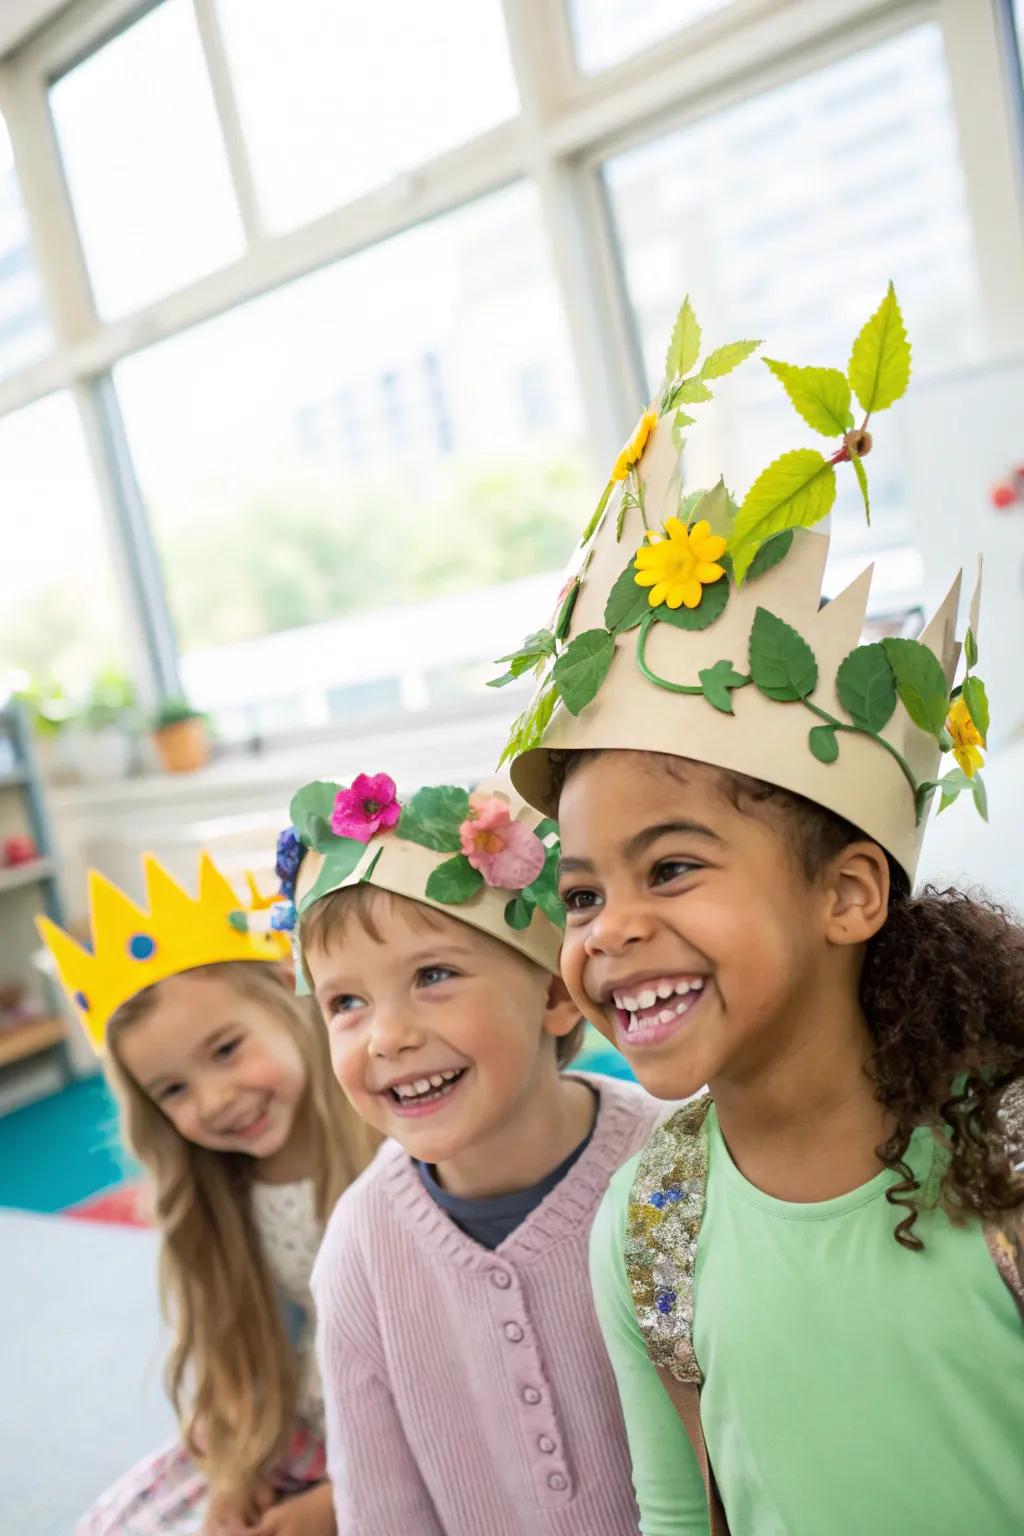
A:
{"x":368,"y":807}
{"x":505,"y":852}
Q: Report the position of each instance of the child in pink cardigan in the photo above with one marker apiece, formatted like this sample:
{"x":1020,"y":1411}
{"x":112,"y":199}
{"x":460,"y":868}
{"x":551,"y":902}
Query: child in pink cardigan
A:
{"x":466,"y":1386}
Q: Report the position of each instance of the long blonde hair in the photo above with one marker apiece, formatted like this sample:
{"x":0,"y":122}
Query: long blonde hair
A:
{"x":231,"y":1373}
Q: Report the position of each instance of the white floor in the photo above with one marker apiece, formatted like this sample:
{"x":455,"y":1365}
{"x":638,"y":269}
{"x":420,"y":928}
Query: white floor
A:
{"x":81,"y":1352}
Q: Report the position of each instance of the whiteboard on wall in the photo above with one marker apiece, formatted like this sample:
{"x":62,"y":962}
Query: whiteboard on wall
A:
{"x":964,"y":433}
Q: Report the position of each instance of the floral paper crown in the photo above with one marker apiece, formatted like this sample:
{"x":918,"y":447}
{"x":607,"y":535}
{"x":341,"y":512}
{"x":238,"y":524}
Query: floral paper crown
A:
{"x":492,"y":860}
{"x":871,"y":721}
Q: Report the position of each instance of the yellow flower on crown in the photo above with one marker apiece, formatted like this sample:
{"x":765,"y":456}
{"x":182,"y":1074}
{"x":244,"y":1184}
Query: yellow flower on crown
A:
{"x":633,"y":451}
{"x":966,"y":737}
{"x":679,"y":565}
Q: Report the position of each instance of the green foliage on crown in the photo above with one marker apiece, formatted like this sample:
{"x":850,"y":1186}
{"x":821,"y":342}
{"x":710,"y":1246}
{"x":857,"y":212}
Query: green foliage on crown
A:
{"x":687,"y":567}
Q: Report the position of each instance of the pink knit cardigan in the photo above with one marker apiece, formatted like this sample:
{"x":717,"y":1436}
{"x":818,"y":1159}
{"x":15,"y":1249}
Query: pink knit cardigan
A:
{"x":468,"y":1392}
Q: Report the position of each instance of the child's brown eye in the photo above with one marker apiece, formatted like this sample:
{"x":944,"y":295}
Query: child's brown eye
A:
{"x":580,"y":900}
{"x":671,"y":869}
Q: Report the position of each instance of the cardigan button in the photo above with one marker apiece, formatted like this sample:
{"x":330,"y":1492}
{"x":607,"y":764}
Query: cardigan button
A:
{"x":531,"y":1396}
{"x":546,"y":1444}
{"x":501,"y":1279}
{"x":513,"y":1333}
{"x":558,"y":1482}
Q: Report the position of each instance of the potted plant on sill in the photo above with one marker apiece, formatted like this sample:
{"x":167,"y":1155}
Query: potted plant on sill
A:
{"x":105,"y":729}
{"x":181,"y":737}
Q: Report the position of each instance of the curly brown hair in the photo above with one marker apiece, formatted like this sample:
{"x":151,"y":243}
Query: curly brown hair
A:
{"x":942,"y":990}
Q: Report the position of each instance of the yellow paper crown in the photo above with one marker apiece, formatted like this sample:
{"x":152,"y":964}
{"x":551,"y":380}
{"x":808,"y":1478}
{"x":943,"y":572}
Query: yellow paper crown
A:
{"x":133,"y":949}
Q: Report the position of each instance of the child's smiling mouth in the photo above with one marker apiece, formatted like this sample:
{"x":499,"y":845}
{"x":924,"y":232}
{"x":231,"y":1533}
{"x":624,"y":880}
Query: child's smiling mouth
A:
{"x":650,"y":1011}
{"x":422,"y":1095}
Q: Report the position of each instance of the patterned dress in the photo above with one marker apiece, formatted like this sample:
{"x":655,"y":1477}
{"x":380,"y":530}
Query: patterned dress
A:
{"x":166,"y":1492}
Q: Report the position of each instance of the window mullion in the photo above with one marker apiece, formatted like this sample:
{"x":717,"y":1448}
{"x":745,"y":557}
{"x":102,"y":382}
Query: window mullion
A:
{"x":153,"y":648}
{"x":226,"y":103}
{"x":988,"y":131}
{"x":52,"y":230}
{"x":584,"y":259}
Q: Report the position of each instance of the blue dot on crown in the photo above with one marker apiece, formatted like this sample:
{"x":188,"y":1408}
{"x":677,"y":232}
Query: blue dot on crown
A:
{"x":82,"y":1001}
{"x":141,"y":946}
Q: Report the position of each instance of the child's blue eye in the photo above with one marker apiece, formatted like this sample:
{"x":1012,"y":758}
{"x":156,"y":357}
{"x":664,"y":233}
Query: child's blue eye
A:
{"x":345,"y":1002}
{"x":433,"y":975}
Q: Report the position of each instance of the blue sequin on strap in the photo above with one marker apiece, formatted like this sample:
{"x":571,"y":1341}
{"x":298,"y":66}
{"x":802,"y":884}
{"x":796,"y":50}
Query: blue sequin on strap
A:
{"x":674,"y":1194}
{"x":657,"y":1199}
{"x":665,"y":1301}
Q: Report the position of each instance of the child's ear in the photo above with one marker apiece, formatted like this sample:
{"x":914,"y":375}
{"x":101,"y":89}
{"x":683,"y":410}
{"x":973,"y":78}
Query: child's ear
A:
{"x":561,"y":1015}
{"x":858,"y":892}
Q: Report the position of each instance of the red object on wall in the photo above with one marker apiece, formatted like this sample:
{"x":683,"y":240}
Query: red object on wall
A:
{"x":19,"y":849}
{"x":1003,"y":496}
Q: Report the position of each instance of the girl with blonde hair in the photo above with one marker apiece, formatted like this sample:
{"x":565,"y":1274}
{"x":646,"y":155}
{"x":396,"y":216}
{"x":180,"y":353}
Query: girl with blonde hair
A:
{"x":228,"y":1101}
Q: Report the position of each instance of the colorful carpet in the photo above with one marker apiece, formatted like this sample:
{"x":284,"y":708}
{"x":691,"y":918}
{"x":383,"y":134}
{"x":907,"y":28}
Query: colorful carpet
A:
{"x":63,"y":1150}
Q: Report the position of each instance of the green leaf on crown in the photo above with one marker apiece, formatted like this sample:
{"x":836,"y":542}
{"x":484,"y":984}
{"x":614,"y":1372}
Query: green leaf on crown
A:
{"x":310,"y":812}
{"x":684,"y":343}
{"x":715,"y":507}
{"x":971,"y":648}
{"x":690,"y":392}
{"x":820,"y":395}
{"x":433,"y":817}
{"x":796,"y":491}
{"x":920,"y":683}
{"x":951,"y":785}
{"x":976,"y":700}
{"x":782,"y":664}
{"x":340,"y":861}
{"x":712,"y":604}
{"x":528,"y":728}
{"x":565,"y":612}
{"x":724,"y":359}
{"x":519,"y":911}
{"x":719,"y":682}
{"x":596,"y":516}
{"x":627,"y":603}
{"x":866,"y":687}
{"x":680,"y":424}
{"x":582,"y":668}
{"x":862,"y":481}
{"x":453,"y":882}
{"x":771,"y":553}
{"x":544,"y":890}
{"x":879,"y":367}
{"x":824,"y":743}
{"x":526,"y":656}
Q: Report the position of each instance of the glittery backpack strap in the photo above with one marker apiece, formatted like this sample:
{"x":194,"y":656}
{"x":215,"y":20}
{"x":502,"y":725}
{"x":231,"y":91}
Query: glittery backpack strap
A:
{"x":666,"y":1206}
{"x":1005,"y":1236}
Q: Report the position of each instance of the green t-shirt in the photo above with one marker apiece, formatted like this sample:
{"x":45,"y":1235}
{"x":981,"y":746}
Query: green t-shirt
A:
{"x":851,"y":1388}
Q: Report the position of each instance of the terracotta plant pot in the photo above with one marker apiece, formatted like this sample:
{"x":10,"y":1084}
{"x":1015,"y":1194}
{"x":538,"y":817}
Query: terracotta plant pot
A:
{"x":183,"y":746}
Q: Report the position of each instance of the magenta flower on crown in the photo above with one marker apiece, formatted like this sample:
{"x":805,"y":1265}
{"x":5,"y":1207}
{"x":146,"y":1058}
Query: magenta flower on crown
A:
{"x":506,"y":852}
{"x":368,"y":807}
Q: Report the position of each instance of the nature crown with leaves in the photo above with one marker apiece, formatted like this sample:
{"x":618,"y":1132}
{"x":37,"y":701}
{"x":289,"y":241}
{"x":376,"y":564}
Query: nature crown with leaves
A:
{"x":484,"y":857}
{"x":724,"y":602}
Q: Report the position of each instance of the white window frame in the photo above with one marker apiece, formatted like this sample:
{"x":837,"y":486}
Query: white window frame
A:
{"x":568,"y":125}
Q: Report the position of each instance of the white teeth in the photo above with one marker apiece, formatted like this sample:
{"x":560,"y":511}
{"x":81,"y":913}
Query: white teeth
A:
{"x":666,"y":990}
{"x":647,"y":998}
{"x":666,"y":1015}
{"x":682,"y":987}
{"x":422,"y":1085}
{"x":448,"y":1076}
{"x":437,"y":1081}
